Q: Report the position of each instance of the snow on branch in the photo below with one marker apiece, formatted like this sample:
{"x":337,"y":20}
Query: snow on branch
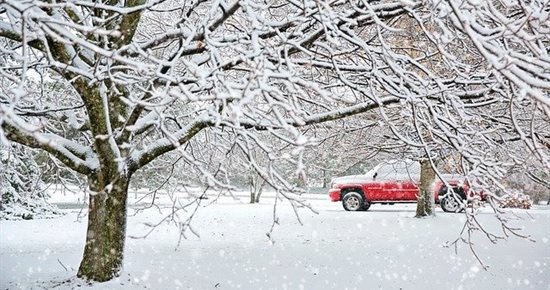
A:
{"x":72,"y":154}
{"x":522,"y":58}
{"x":152,"y":75}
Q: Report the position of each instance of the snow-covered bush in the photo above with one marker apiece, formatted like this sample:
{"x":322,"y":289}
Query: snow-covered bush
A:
{"x":21,"y":190}
{"x":516,"y":200}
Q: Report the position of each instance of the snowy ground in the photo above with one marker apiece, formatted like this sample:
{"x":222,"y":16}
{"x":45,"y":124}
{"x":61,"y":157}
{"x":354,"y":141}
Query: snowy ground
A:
{"x":383,"y":248}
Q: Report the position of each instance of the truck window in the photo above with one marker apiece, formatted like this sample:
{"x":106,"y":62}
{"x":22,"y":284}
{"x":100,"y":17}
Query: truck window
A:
{"x":399,"y":171}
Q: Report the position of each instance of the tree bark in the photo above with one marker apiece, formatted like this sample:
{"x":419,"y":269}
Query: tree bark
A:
{"x":425,"y":201}
{"x":104,"y":249}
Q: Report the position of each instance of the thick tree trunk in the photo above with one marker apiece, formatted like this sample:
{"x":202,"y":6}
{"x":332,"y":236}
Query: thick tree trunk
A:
{"x":425,"y":201}
{"x":104,"y":249}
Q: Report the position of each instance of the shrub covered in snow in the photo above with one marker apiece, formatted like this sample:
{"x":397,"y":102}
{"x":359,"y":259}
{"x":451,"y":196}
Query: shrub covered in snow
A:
{"x":21,"y":190}
{"x":516,"y":200}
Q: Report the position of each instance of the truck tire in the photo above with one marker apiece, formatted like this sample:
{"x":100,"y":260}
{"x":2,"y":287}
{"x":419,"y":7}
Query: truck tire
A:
{"x":354,"y":201}
{"x":452,"y":202}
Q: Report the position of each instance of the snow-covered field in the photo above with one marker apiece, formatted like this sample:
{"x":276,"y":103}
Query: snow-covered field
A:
{"x":383,"y":248}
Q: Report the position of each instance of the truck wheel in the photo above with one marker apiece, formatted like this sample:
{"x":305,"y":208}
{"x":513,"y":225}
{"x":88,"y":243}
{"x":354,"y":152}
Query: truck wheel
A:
{"x":366,"y":206}
{"x":353,"y":201}
{"x":450,"y":204}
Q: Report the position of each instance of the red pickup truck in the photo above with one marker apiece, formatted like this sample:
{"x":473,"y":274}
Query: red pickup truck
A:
{"x":396,"y":181}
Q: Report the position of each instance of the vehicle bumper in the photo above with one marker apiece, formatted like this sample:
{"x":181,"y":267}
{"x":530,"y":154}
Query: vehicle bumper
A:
{"x":334,"y":194}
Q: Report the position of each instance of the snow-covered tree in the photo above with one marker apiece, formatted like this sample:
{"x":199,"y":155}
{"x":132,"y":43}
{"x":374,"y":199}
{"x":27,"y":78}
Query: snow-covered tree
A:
{"x":22,"y":194}
{"x":141,"y":79}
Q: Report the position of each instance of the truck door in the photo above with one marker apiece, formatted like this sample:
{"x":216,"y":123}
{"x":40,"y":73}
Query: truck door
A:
{"x":390,"y":188}
{"x":373,"y":191}
{"x":410,"y":191}
{"x":400,"y":180}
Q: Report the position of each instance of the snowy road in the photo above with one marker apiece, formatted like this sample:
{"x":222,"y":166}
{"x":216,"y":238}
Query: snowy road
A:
{"x":383,"y":248}
{"x":143,"y":198}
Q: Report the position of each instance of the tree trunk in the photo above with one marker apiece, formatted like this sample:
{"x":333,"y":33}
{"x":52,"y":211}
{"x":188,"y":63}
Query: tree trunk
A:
{"x":104,"y":249}
{"x":260,"y":190}
{"x":325,"y":179}
{"x":425,"y":201}
{"x":252,"y":183}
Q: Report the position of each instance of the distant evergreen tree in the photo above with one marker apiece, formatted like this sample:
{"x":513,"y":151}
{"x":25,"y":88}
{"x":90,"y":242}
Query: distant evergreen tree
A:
{"x":21,"y":189}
